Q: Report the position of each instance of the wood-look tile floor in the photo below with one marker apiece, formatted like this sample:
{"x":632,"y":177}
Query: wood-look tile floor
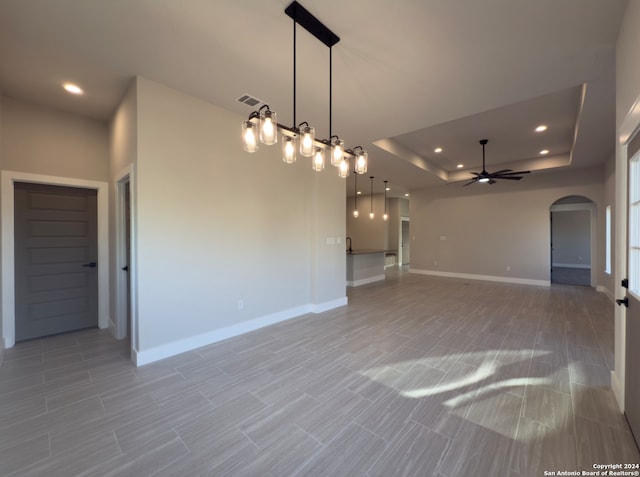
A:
{"x":416,"y":376}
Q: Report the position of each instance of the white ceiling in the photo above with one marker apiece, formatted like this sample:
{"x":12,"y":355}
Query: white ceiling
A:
{"x":408,"y":75}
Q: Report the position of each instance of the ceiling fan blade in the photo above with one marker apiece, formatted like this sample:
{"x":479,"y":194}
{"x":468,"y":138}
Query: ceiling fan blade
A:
{"x":476,"y":174}
{"x":509,"y":178}
{"x":491,"y":181}
{"x":470,"y":182}
{"x":501,"y":172}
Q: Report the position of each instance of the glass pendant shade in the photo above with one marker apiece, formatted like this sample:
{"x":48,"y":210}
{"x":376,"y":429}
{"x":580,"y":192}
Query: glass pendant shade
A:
{"x":268,"y":127}
{"x":249,"y":136}
{"x":307,"y":139}
{"x":318,"y":159}
{"x":337,"y":152}
{"x":288,"y":149}
{"x":355,"y":213}
{"x":361,"y":162}
{"x":343,"y":170}
{"x":385,"y":217}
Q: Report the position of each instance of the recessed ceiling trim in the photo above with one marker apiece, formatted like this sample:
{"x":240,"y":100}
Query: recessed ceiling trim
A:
{"x":392,"y":146}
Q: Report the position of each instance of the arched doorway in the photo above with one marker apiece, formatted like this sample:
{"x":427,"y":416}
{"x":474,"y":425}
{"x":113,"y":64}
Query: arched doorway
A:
{"x":573,"y":231}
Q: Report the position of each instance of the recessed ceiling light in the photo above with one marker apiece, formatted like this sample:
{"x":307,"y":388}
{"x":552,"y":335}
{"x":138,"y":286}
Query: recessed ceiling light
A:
{"x":460,"y":166}
{"x":72,"y":88}
{"x":544,"y":151}
{"x":437,"y":150}
{"x":541,"y":128}
{"x":406,"y":195}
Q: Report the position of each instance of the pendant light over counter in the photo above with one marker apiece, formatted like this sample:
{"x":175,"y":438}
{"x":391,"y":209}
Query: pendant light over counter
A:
{"x":262,"y":125}
{"x":356,"y":212}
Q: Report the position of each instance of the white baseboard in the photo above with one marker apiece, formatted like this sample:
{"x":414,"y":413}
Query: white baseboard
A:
{"x":606,"y":291}
{"x":329,"y":305}
{"x":570,"y":265}
{"x":157,"y":353}
{"x":618,"y":390}
{"x":112,"y":328}
{"x":364,"y":281}
{"x":488,"y":278}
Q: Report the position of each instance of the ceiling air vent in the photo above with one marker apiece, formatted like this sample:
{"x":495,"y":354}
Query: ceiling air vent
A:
{"x":250,"y":101}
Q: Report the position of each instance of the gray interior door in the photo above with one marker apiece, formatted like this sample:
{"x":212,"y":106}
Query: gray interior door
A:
{"x":56,"y":282}
{"x":632,"y":368}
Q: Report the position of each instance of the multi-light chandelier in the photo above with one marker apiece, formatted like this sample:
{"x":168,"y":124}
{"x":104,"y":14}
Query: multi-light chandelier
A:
{"x":262,"y":125}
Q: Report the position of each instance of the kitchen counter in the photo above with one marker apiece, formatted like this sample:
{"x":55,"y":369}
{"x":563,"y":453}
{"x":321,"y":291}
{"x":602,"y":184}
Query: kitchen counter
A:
{"x":364,"y":251}
{"x":365,"y":266}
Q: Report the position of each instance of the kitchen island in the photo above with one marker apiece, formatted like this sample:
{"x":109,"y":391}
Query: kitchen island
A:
{"x":365,"y":266}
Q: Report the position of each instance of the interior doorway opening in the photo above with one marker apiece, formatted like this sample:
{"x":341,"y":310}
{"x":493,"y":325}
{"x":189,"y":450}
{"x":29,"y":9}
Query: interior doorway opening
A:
{"x":573,"y":232}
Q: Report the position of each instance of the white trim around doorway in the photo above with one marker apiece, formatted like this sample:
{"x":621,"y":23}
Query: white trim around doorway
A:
{"x":126,"y":176}
{"x":7,"y":179}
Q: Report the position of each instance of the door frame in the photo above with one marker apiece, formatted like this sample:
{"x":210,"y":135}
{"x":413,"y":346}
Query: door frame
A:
{"x":629,"y":127}
{"x":126,"y":176}
{"x":7,"y":179}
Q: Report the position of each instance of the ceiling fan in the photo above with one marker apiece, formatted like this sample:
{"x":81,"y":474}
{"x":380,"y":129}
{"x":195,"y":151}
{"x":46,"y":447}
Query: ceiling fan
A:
{"x":490,"y":177}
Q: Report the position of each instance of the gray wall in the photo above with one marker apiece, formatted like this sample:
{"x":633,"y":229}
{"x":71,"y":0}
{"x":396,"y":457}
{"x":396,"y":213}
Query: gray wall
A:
{"x":225,"y":237}
{"x":571,"y":238}
{"x":480,"y":230}
{"x":40,"y":140}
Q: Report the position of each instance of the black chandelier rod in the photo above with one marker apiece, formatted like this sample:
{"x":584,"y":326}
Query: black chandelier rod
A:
{"x":294,"y":72}
{"x":330,"y":91}
{"x":309,"y":22}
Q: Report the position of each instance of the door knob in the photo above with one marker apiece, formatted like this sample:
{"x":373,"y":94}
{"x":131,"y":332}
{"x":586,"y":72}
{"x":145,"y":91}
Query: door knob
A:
{"x":90,"y":265}
{"x":624,"y":301}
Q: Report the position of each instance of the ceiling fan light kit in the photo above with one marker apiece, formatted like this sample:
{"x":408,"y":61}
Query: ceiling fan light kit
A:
{"x":490,"y":177}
